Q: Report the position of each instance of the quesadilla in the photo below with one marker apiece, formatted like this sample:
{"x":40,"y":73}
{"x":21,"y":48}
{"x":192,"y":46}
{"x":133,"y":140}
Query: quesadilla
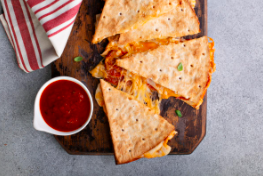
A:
{"x":136,"y":131}
{"x":124,"y":15}
{"x":161,"y":65}
{"x":181,"y":21}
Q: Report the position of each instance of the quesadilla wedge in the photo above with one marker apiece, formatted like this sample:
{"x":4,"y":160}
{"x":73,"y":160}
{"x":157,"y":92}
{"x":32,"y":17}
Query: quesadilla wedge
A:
{"x":185,"y":68}
{"x":135,"y":129}
{"x":124,"y":15}
{"x":181,"y":21}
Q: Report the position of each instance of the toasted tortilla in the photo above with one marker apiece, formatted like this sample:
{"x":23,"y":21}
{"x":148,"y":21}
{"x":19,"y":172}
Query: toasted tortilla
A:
{"x":135,"y":129}
{"x":123,"y":15}
{"x":161,"y":66}
{"x":181,"y":21}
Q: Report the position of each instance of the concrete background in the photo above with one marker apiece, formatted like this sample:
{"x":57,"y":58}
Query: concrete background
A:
{"x":233,"y":143}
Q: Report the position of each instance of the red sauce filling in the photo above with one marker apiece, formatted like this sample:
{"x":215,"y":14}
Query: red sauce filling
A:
{"x":114,"y":71}
{"x":64,"y":105}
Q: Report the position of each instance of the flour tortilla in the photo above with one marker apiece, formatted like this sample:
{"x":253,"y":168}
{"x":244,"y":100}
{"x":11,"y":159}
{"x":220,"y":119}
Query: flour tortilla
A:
{"x":124,"y":15}
{"x":181,"y":21}
{"x":161,"y":66}
{"x":135,"y":129}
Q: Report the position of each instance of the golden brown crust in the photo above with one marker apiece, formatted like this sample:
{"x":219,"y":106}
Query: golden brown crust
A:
{"x":124,"y":15}
{"x":180,"y":21}
{"x":161,"y":64}
{"x":135,"y":129}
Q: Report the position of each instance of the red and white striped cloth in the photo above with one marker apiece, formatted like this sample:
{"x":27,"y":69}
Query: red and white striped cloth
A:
{"x":38,"y":29}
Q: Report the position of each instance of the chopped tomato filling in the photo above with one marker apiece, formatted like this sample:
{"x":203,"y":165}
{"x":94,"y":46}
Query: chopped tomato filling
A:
{"x":112,"y":80}
{"x":114,"y":75}
{"x":113,"y":71}
{"x":116,"y":72}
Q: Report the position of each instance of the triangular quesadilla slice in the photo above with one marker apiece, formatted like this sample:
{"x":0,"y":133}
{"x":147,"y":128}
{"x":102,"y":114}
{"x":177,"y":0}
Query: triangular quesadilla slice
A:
{"x":179,"y":22}
{"x":185,"y":68}
{"x":136,"y":130}
{"x":124,"y":15}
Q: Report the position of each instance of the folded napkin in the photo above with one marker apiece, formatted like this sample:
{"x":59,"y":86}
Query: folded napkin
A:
{"x":38,"y":29}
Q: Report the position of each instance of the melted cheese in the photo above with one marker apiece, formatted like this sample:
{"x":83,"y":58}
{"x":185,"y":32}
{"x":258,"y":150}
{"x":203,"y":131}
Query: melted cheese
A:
{"x":135,"y":86}
{"x":99,"y":71}
{"x":160,"y":150}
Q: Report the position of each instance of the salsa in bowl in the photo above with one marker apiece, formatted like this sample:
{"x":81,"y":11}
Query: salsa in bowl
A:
{"x":63,"y":106}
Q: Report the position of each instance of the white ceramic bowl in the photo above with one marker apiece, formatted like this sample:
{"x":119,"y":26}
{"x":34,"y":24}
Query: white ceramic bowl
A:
{"x":41,"y":125}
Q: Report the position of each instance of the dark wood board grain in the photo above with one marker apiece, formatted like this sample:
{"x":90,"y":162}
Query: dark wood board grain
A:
{"x":95,"y":138}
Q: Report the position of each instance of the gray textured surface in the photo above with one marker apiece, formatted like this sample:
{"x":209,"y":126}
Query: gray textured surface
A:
{"x":233,"y":144}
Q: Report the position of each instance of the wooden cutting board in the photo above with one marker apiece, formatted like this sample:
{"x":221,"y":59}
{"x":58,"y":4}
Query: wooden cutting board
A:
{"x":95,"y":138}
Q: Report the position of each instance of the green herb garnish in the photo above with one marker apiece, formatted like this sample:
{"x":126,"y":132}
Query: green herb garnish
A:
{"x":178,"y":113}
{"x":180,"y":67}
{"x":78,"y":59}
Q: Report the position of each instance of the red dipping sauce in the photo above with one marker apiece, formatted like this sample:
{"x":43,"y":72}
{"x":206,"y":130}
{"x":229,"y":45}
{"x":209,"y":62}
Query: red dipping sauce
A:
{"x":65,"y":105}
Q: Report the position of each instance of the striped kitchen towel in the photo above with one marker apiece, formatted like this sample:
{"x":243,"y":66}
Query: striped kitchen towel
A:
{"x":38,"y":29}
